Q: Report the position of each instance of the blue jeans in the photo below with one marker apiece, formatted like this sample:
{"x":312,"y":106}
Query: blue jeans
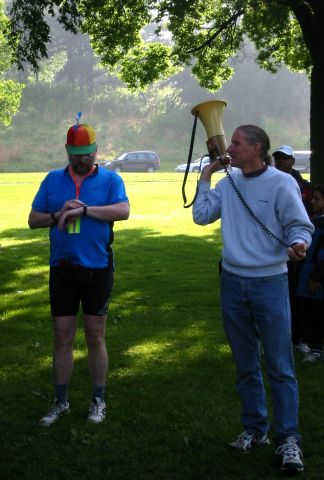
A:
{"x":256,"y":312}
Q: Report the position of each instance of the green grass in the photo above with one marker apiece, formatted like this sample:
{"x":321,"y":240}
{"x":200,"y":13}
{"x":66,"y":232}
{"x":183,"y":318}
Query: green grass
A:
{"x":171,"y":387}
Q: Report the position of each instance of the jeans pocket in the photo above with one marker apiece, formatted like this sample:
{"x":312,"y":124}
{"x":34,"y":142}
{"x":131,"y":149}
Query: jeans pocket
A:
{"x":281,"y":277}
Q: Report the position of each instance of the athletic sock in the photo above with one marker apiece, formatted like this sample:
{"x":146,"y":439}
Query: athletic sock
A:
{"x":98,"y":392}
{"x":61,"y":392}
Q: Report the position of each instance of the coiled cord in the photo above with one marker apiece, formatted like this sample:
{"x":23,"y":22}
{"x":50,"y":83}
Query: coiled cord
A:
{"x":252,"y":214}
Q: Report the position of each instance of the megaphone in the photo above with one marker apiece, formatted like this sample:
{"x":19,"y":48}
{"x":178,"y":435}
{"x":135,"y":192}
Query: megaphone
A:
{"x":210,"y":114}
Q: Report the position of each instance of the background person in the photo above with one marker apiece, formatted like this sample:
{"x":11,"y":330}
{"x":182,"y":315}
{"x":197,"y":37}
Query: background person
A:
{"x":284,"y":160}
{"x":79,"y":204}
{"x":254,"y":287}
{"x":310,"y":289}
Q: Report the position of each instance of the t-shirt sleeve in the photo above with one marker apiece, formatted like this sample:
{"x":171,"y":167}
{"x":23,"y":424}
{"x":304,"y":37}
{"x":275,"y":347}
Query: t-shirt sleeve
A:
{"x":117,"y":190}
{"x":40,"y":202}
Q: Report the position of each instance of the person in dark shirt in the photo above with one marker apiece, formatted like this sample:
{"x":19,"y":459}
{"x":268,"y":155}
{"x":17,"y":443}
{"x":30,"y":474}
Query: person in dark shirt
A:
{"x":310,"y":289}
{"x":284,"y":160}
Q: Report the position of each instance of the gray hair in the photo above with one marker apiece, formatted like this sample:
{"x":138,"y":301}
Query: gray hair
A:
{"x":257,"y":135}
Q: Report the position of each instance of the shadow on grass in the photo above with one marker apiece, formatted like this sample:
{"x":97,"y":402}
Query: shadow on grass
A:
{"x":171,"y":400}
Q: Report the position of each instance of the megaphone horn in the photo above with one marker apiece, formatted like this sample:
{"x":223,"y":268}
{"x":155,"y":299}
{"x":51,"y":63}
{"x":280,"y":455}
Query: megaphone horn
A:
{"x":210,"y":114}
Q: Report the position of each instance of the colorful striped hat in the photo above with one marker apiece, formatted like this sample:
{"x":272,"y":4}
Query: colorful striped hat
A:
{"x":80,"y":138}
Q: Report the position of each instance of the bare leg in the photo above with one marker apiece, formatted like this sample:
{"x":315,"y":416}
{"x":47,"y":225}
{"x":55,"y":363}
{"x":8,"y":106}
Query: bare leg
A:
{"x":64,"y":333}
{"x":94,"y":327}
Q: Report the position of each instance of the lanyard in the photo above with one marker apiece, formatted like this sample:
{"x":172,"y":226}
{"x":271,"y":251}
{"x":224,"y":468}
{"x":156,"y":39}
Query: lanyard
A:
{"x":78,"y":186}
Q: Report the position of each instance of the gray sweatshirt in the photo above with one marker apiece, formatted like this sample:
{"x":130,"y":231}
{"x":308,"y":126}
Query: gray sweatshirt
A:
{"x":275,"y":199}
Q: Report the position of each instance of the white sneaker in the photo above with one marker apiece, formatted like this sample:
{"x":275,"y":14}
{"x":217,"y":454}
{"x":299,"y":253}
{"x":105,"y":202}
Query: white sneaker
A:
{"x":246,"y":441}
{"x":311,"y":357}
{"x":291,"y":456}
{"x":302,"y":347}
{"x":97,"y":411}
{"x":57,"y":411}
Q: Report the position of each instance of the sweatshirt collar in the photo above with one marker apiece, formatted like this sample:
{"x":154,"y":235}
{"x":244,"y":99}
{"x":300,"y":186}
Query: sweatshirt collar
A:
{"x":257,"y":173}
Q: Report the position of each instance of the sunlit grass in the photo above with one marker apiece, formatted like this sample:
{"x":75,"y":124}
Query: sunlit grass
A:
{"x":172,"y":404}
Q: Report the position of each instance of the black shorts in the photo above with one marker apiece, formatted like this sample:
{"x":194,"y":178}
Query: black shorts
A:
{"x":70,"y":284}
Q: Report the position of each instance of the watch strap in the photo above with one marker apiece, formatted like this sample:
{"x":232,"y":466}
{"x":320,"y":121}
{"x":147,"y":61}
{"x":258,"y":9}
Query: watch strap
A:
{"x":53,"y":217}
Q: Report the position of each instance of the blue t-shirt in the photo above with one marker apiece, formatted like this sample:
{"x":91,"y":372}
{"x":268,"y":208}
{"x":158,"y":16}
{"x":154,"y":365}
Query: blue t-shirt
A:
{"x":91,"y":247}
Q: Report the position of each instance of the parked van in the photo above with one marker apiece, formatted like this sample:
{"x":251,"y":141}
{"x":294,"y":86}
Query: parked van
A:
{"x":139,"y":161}
{"x":302,"y":160}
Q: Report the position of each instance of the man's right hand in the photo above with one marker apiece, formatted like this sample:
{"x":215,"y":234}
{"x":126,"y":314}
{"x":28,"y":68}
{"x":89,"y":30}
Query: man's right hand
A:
{"x":215,"y":166}
{"x":70,"y":204}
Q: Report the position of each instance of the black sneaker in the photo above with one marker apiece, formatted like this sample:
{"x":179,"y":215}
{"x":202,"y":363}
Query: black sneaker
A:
{"x":291,"y":456}
{"x":246,"y":441}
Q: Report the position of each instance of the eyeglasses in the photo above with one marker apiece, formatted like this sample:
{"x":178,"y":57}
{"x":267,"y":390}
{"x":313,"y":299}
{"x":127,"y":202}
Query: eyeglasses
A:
{"x":86,"y":157}
{"x":282,"y":157}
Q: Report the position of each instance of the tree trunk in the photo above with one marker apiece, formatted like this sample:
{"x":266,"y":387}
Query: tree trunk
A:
{"x":317,"y":123}
{"x":317,"y":105}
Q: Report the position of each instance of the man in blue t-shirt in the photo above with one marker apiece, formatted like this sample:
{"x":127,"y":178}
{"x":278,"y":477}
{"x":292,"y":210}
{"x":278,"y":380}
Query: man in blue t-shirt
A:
{"x":79,"y":204}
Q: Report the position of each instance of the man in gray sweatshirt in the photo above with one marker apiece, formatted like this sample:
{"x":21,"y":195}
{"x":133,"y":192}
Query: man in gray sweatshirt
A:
{"x":254,"y":289}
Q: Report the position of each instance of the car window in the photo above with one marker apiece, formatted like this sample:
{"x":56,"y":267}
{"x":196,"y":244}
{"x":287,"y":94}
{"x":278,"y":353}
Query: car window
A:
{"x":131,"y":157}
{"x":141,"y":157}
{"x":151,"y":156}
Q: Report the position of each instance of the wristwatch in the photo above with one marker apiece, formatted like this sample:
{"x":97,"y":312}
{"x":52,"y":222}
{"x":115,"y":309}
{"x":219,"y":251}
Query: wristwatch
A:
{"x":85,"y":210}
{"x":53,"y":217}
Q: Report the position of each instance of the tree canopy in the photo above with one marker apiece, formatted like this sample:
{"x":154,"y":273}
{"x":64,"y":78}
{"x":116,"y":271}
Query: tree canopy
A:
{"x":10,"y":90}
{"x":202,"y":34}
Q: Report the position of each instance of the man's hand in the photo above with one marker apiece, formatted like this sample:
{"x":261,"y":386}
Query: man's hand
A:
{"x":298,"y":251}
{"x":69,"y":216}
{"x":314,"y":287}
{"x":214,"y":166}
{"x":70,"y":204}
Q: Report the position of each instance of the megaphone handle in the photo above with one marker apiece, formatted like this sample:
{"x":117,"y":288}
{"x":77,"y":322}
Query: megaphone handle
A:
{"x":192,"y":142}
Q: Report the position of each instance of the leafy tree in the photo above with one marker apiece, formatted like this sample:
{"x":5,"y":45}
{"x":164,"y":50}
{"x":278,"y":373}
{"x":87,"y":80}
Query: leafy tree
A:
{"x":10,"y":91}
{"x":204,"y":34}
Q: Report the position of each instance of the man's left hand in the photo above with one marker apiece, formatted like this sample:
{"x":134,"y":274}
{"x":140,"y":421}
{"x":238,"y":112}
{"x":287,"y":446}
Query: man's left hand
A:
{"x":314,"y":287}
{"x":298,"y":251}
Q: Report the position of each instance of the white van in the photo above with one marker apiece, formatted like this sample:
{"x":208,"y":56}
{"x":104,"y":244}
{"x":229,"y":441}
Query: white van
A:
{"x":302,"y":160}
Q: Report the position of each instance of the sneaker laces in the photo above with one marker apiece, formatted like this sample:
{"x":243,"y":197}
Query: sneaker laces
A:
{"x":247,"y":439}
{"x":290,"y":451}
{"x":98,"y":406}
{"x":57,"y":408}
{"x":54,"y":413}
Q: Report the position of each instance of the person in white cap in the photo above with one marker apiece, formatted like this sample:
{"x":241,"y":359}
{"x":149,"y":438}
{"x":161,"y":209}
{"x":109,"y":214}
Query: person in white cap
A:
{"x":284,"y":160}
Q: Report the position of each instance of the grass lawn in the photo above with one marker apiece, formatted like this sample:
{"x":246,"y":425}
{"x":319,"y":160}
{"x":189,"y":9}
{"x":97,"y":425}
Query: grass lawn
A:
{"x":172,"y":404}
